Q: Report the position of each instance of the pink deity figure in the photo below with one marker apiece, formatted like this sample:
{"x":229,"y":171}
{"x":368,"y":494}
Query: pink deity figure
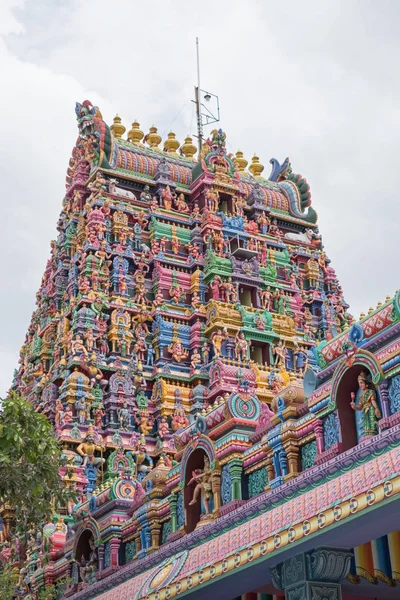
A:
{"x":89,"y":339}
{"x":94,"y":277}
{"x":163,"y":243}
{"x":123,"y":235}
{"x":155,"y":247}
{"x":196,"y":302}
{"x":218,"y":242}
{"x":203,"y":488}
{"x":263,"y":254}
{"x":84,"y":285}
{"x":179,"y":419}
{"x":280,"y":352}
{"x":193,"y":250}
{"x":122,"y":285}
{"x":180,"y":204}
{"x":195,"y":359}
{"x":208,"y":239}
{"x":238,"y":206}
{"x":230,"y":291}
{"x":217,"y":338}
{"x":105,"y":209}
{"x":252,"y":244}
{"x":98,"y":415}
{"x":195,"y":211}
{"x":216,"y":287}
{"x":163,"y":428}
{"x":68,"y":416}
{"x":159,"y":299}
{"x":241,"y":347}
{"x":154,"y":204}
{"x":176,"y":292}
{"x":212,"y":198}
{"x":167,"y":198}
{"x":266,"y":298}
{"x":59,"y":413}
{"x":263,"y":222}
{"x":205,"y":349}
{"x":175,"y":245}
{"x":77,"y":347}
{"x":178,"y":351}
{"x":76,"y":202}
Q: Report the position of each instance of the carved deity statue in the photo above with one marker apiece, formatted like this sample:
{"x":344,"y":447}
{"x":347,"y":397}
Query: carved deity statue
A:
{"x":368,"y":404}
{"x":203,"y":488}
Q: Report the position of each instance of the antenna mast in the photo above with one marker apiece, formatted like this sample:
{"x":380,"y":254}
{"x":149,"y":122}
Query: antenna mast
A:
{"x":204,"y":114}
{"x":197,"y":96}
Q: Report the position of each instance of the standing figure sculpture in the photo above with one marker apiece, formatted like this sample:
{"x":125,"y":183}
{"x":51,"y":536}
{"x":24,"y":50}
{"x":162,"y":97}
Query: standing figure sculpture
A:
{"x":368,"y":404}
{"x":202,"y":478}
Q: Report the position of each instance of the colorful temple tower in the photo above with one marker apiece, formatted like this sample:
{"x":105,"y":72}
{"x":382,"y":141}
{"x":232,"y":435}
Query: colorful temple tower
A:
{"x":228,"y":428}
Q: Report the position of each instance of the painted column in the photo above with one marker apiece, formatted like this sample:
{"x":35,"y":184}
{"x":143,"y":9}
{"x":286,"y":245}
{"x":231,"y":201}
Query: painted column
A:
{"x":216,"y":488}
{"x":155,"y":529}
{"x":270,"y":470}
{"x":235,"y":470}
{"x":319,"y":435}
{"x":394,"y":551}
{"x":173,"y":499}
{"x":114,"y":545}
{"x":313,"y":574}
{"x":384,"y":396}
{"x":100,"y":554}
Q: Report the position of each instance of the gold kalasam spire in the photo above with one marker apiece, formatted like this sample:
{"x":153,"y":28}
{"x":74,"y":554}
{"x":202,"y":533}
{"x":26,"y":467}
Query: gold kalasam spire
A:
{"x":188,"y":149}
{"x":135,"y":134}
{"x":171,"y":144}
{"x":240,"y":161}
{"x":152,"y":138}
{"x":117,"y":128}
{"x":256,"y":168}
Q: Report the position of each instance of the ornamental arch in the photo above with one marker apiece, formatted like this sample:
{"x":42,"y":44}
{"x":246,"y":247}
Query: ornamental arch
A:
{"x":344,"y":382}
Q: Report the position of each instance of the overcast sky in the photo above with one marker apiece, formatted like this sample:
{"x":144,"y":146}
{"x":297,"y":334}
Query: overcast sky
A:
{"x":315,"y":81}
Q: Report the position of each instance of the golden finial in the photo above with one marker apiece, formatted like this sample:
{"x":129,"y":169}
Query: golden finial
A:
{"x":117,"y":128}
{"x":171,"y":144}
{"x":152,"y":138}
{"x":379,"y":304}
{"x":387,"y":299}
{"x":135,"y":134}
{"x":371,"y":310}
{"x":362,"y":315}
{"x":240,"y":161}
{"x":256,"y":168}
{"x":188,"y":149}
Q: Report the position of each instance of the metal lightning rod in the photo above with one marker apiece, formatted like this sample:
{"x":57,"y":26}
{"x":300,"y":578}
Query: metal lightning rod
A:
{"x":197,"y":100}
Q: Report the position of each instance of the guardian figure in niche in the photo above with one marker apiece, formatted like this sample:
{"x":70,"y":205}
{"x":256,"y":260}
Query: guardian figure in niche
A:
{"x":367,"y":403}
{"x":202,"y":478}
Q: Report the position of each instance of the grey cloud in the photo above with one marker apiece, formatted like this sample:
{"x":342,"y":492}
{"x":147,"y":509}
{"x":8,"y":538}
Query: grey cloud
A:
{"x":313,"y":80}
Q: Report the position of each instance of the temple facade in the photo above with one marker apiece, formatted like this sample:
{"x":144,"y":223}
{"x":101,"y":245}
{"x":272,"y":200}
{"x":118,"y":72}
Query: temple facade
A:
{"x":229,"y":429}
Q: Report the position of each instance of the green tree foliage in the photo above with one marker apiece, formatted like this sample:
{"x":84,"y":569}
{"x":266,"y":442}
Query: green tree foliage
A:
{"x":7,"y":582}
{"x":30,"y":458}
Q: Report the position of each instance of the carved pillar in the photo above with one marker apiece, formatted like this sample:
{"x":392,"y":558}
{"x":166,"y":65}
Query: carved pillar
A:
{"x":114,"y":546}
{"x":138,"y":543}
{"x":313,"y":574}
{"x":155,"y":529}
{"x":319,"y":435}
{"x":292,"y":453}
{"x":384,"y":396}
{"x":173,"y":499}
{"x":216,"y":488}
{"x":100,"y":554}
{"x":235,"y":470}
{"x":270,"y":469}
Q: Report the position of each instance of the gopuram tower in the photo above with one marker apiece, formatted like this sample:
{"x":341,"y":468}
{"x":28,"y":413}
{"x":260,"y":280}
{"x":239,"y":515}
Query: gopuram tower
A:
{"x":182,"y":322}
